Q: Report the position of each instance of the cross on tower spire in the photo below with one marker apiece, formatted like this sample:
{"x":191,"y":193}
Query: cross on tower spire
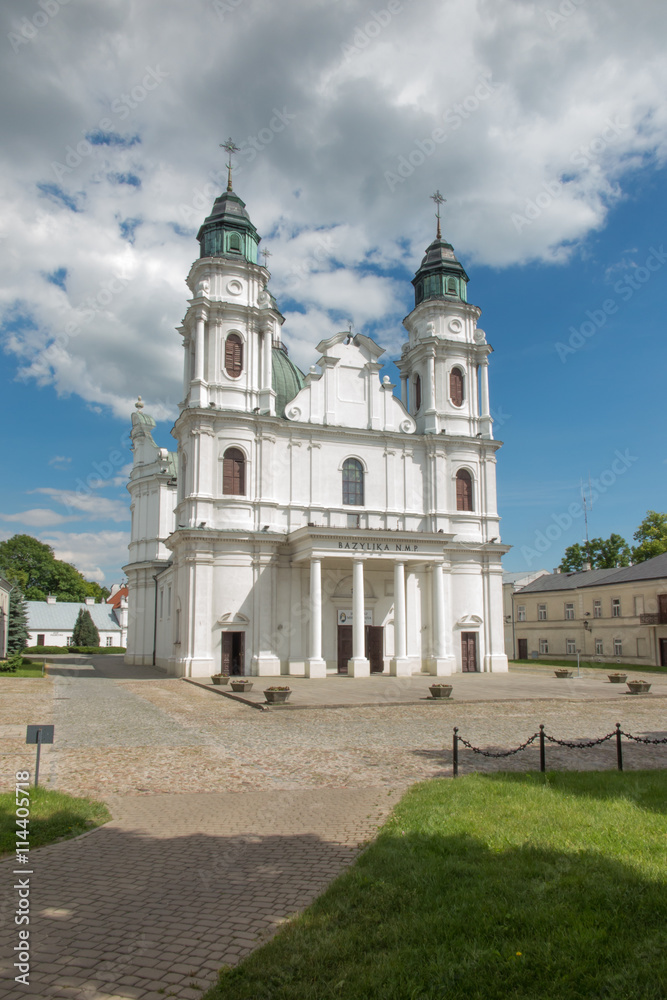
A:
{"x":231,"y":147}
{"x":266,"y":253}
{"x":439,"y":200}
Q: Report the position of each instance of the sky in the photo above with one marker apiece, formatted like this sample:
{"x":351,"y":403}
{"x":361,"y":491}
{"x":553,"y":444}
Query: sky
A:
{"x":543,"y":124}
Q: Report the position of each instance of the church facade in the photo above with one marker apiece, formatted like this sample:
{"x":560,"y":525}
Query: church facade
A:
{"x":314,"y":523}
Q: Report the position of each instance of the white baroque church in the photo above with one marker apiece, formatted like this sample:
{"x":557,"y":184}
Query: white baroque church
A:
{"x":315,"y":524}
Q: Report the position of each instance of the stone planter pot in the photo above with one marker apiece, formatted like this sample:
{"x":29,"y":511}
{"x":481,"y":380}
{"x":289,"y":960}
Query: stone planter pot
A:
{"x":277,"y":697}
{"x":563,"y":673}
{"x":241,"y":686}
{"x":440,"y":691}
{"x":220,"y":678}
{"x":639,"y":687}
{"x":617,"y":678}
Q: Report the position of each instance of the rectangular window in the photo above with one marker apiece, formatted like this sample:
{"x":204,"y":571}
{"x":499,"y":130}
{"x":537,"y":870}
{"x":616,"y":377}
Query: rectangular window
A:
{"x":569,"y":612}
{"x":70,"y":640}
{"x":618,"y":647}
{"x":544,"y":645}
{"x":109,"y":640}
{"x":599,"y":647}
{"x":597,"y":609}
{"x":541,"y":612}
{"x":616,"y":607}
{"x":639,"y":604}
{"x":570,"y":646}
{"x":521,"y":613}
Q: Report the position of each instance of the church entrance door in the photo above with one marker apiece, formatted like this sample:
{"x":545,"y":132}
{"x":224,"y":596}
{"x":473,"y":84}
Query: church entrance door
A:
{"x":233,"y":653}
{"x":374,"y":636}
{"x":468,"y":652}
{"x":523,"y":649}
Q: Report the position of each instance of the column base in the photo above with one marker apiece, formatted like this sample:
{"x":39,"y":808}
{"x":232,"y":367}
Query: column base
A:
{"x":358,"y":667}
{"x":296,"y":668}
{"x":265,"y":666}
{"x":316,"y":668}
{"x":198,"y":668}
{"x":400,"y":667}
{"x":198,"y":393}
{"x":496,"y":664}
{"x":441,"y":666}
{"x":267,"y":401}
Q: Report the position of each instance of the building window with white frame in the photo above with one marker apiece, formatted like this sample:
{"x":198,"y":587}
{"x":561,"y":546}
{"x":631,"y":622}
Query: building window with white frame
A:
{"x":570,"y":646}
{"x":521,"y":613}
{"x":353,"y":482}
{"x":109,"y":640}
{"x":597,"y":609}
{"x":569,"y":612}
{"x":70,"y":640}
{"x":541,"y":612}
{"x":544,"y":645}
{"x":599,"y":647}
{"x":616,"y":607}
{"x":618,"y":647}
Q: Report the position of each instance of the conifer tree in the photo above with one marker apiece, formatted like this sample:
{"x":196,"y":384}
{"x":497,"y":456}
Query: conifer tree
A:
{"x":17,"y":636}
{"x":85,"y":632}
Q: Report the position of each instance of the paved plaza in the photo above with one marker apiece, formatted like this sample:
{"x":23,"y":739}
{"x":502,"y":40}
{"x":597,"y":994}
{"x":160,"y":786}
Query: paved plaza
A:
{"x":227,"y":820}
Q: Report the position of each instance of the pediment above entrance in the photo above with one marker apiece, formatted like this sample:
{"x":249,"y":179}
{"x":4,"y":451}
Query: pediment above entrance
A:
{"x":231,"y":618}
{"x":465,"y":620}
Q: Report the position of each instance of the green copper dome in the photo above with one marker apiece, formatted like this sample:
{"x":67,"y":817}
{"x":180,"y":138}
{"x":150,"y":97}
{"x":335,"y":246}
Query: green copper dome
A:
{"x":286,"y":379}
{"x":440,"y":274}
{"x":228,"y":231}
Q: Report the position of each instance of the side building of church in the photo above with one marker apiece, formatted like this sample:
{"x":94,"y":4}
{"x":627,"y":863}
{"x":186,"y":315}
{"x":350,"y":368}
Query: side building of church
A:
{"x":314,"y":524}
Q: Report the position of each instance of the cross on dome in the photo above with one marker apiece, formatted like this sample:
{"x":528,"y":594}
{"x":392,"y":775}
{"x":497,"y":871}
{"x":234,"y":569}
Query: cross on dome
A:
{"x":439,"y":200}
{"x":231,"y":147}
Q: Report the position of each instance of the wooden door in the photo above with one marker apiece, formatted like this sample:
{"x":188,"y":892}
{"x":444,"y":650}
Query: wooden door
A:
{"x":523,"y":649}
{"x":344,"y":647}
{"x":375,"y":647}
{"x":663,"y":652}
{"x":662,"y":608}
{"x":469,"y":652}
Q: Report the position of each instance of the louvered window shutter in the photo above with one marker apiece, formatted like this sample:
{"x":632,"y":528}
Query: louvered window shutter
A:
{"x":456,"y":386}
{"x":233,"y":473}
{"x":463,"y":490}
{"x":234,"y":355}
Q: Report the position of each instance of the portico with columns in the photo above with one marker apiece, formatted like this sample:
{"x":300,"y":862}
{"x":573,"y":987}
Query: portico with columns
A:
{"x":317,"y":524}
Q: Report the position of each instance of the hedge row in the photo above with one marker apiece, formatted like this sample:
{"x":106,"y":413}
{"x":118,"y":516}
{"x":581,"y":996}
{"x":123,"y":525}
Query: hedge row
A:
{"x":75,"y":649}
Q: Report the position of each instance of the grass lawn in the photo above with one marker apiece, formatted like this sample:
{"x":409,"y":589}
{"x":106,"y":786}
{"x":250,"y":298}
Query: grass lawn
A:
{"x":608,"y":668}
{"x":53,"y":816}
{"x":30,"y":668}
{"x":522,"y":886}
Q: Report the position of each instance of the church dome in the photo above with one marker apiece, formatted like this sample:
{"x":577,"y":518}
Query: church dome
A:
{"x":286,"y":379}
{"x":440,"y":274}
{"x":228,"y":231}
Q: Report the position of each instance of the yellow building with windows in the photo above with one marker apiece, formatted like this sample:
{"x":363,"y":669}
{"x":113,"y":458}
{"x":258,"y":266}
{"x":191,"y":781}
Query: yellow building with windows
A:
{"x":608,"y":615}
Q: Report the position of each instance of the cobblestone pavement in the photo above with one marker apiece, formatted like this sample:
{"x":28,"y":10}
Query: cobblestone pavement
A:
{"x":181,"y":882}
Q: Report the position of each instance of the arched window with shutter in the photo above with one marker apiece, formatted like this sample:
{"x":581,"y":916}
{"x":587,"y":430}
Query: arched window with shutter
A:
{"x":418,"y":393}
{"x":353,"y":482}
{"x":451,"y":286}
{"x":233,"y":473}
{"x":456,"y":386}
{"x":463,"y":490}
{"x":234,"y":243}
{"x":233,"y":355}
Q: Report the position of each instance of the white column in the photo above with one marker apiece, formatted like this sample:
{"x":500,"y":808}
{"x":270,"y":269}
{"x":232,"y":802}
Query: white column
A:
{"x":266,"y":357}
{"x":400,"y":665}
{"x":485,"y":421}
{"x":430,"y":415}
{"x":358,"y":666}
{"x":315,"y":665}
{"x":267,"y":397}
{"x":441,"y":662}
{"x":199,"y":394}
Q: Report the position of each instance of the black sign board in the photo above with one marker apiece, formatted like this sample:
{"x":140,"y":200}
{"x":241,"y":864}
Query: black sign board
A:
{"x":45,"y":734}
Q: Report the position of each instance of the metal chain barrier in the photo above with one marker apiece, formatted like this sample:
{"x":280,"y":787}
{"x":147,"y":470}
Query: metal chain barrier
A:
{"x":543,"y":737}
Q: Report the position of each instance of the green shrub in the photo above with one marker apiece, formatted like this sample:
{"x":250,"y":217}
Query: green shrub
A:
{"x":75,"y":649}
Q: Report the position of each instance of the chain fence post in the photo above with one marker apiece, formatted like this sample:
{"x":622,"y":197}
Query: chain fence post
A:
{"x":619,"y":747}
{"x":543,"y":755}
{"x":455,"y":753}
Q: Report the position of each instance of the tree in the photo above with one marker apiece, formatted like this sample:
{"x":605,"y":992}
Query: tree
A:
{"x":601,"y":553}
{"x":652,"y":537}
{"x":32,"y":565}
{"x":85,"y":632}
{"x":17,"y":635}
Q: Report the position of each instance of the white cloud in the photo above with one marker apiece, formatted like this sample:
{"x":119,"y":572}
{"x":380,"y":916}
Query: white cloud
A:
{"x":539,"y":121}
{"x":97,"y":555}
{"x":38,"y":517}
{"x":60,"y":461}
{"x":92,"y":506}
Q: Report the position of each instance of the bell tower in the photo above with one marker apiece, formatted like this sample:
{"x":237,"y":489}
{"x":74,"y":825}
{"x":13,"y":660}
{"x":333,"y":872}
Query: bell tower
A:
{"x":444,"y":365}
{"x":233,"y":320}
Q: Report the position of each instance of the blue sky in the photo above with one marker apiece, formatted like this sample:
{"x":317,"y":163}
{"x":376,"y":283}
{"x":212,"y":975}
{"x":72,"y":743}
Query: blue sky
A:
{"x":546,"y":132}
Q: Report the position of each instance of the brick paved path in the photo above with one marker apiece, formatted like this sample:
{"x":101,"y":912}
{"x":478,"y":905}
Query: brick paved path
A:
{"x":191,"y":874}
